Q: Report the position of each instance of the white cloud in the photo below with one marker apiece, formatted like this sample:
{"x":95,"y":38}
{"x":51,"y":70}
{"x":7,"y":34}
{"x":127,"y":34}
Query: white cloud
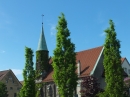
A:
{"x":17,"y":71}
{"x":2,"y":51}
{"x":100,"y":17}
{"x":52,"y":29}
{"x":52,"y":33}
{"x":4,"y":18}
{"x":102,"y":34}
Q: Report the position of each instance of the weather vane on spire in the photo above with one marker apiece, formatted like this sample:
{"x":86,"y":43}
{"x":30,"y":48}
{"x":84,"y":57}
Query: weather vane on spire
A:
{"x":42,"y":18}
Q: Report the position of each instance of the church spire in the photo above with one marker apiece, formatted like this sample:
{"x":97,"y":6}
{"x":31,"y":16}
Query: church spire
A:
{"x":42,"y":53}
{"x":42,"y":41}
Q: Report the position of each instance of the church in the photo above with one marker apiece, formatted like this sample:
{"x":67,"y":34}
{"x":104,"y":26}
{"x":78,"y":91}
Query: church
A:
{"x":89,"y":62}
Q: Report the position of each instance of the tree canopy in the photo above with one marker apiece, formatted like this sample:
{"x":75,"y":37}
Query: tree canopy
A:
{"x":28,"y":89}
{"x":3,"y":90}
{"x":112,"y":64}
{"x":64,"y":60}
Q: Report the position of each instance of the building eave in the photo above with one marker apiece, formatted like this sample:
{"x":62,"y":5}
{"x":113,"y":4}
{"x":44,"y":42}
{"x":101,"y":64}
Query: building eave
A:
{"x":92,"y":72}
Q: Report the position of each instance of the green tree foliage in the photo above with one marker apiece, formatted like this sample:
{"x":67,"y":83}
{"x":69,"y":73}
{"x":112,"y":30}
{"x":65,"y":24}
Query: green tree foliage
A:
{"x":3,"y":90}
{"x":39,"y":88}
{"x":28,"y":89}
{"x":64,"y":60}
{"x":112,"y":64}
{"x":41,"y":70}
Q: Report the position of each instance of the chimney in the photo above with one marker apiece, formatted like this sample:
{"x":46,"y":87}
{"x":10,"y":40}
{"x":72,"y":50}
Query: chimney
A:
{"x":79,"y":67}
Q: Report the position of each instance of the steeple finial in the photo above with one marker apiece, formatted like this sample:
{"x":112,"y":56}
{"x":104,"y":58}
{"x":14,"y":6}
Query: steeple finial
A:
{"x":42,"y":19}
{"x":42,"y":41}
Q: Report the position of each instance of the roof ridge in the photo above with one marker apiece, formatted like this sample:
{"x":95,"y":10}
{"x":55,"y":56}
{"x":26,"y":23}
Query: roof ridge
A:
{"x":4,"y":70}
{"x":3,"y":73}
{"x":89,"y":49}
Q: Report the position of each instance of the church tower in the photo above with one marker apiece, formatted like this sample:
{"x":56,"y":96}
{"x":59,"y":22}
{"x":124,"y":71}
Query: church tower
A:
{"x":42,"y":57}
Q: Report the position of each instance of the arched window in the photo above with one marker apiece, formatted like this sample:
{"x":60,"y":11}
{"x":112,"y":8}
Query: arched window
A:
{"x":57,"y":93}
{"x":49,"y":91}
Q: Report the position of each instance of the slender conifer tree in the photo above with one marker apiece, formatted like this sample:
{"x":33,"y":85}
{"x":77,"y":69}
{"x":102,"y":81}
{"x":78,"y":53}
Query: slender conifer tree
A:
{"x":64,"y":60}
{"x":112,"y":64}
{"x":28,"y":89}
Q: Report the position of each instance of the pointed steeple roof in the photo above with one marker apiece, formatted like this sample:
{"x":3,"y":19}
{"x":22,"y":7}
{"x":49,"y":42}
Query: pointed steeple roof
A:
{"x":42,"y":41}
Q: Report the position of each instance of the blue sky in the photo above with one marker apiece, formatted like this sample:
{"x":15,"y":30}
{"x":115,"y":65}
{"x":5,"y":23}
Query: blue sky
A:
{"x":20,"y":26}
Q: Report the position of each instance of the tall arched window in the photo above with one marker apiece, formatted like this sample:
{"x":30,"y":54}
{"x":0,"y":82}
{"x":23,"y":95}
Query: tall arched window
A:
{"x":49,"y":91}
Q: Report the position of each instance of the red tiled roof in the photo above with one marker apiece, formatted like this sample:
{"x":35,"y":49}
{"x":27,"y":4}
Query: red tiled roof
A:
{"x":122,"y":60}
{"x":49,"y":77}
{"x":3,"y":73}
{"x":87,"y":59}
{"x":21,"y":82}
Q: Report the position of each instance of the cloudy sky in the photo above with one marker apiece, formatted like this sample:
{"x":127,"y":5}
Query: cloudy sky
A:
{"x":20,"y":26}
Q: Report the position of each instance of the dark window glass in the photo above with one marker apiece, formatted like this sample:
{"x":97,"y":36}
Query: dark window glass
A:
{"x":15,"y":94}
{"x":11,"y":88}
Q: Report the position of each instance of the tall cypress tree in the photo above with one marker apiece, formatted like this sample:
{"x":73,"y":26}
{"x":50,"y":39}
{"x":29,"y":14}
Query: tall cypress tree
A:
{"x":112,"y":64}
{"x":3,"y":90}
{"x":64,"y":60}
{"x":28,"y":89}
